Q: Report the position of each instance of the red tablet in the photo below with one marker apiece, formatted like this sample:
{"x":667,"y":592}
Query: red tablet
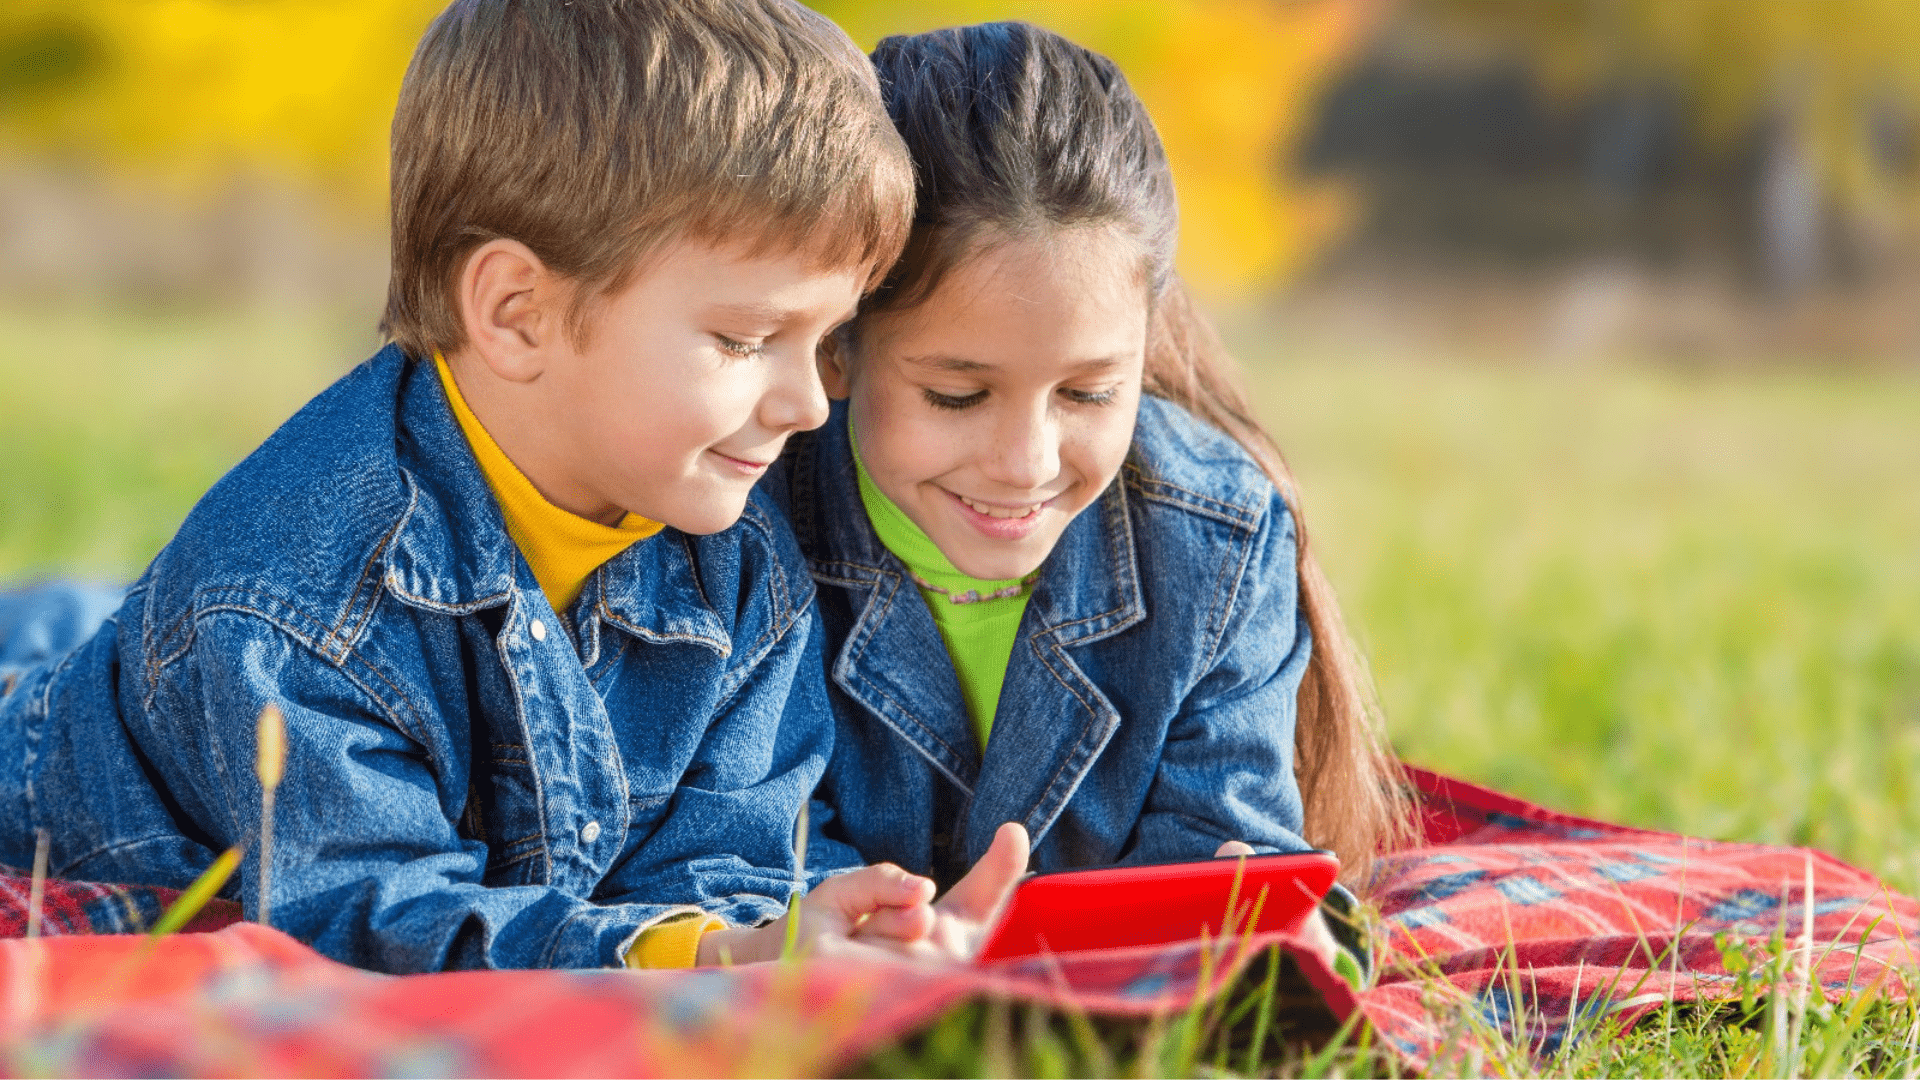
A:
{"x":1118,"y":906}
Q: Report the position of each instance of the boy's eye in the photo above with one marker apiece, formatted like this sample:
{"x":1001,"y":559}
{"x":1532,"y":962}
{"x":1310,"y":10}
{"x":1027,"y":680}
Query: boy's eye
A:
{"x":1090,"y":397}
{"x":743,"y":350}
{"x":950,"y":401}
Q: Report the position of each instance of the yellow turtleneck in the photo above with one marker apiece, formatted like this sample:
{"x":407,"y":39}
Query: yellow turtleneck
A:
{"x":561,"y":547}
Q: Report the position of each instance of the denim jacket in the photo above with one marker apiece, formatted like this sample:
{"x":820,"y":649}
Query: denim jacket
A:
{"x":473,"y":780}
{"x":1147,"y":713}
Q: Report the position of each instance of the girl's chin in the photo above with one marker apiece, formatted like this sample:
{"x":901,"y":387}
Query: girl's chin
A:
{"x":997,"y":560}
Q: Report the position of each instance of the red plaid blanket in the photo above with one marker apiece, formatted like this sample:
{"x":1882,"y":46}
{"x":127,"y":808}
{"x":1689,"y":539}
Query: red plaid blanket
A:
{"x":1511,"y":920}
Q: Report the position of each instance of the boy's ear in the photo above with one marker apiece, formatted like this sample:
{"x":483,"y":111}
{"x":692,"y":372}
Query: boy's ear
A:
{"x":831,"y":360}
{"x":511,"y":308}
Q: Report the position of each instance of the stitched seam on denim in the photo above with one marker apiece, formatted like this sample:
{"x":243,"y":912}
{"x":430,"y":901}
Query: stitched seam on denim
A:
{"x":1226,"y":595}
{"x":904,"y":713}
{"x":1143,"y":478}
{"x":693,"y":568}
{"x":370,"y":578}
{"x":30,"y":749}
{"x":438,"y":608}
{"x":117,"y":845}
{"x":403,"y":719}
{"x":1074,"y":762}
{"x":1230,"y":602}
{"x":520,"y":714}
{"x":1157,"y":490}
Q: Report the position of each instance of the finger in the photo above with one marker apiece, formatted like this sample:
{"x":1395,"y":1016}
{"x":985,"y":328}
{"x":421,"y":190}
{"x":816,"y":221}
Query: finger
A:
{"x":898,"y":924}
{"x":870,"y":889}
{"x":1232,"y":848}
{"x":979,"y":896}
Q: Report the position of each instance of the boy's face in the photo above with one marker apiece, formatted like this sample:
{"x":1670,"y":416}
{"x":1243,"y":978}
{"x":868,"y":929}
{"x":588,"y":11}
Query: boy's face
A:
{"x":687,"y":385}
{"x":999,"y":408}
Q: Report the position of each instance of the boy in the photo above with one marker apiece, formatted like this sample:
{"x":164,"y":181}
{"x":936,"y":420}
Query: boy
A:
{"x":546,"y":704}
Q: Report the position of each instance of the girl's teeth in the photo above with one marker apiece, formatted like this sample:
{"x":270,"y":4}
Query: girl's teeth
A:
{"x":1001,"y":511}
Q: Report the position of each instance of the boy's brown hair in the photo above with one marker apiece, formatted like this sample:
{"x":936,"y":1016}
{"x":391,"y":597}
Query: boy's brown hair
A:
{"x":596,"y":131}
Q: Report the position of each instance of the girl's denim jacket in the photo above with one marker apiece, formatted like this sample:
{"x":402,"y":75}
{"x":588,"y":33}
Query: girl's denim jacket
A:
{"x":1147,"y":713}
{"x":472,"y":780}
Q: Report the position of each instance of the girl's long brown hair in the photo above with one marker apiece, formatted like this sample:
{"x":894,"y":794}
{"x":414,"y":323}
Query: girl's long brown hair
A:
{"x":1016,"y":132}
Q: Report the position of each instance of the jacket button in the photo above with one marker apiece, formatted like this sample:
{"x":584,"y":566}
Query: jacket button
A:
{"x":538,"y":629}
{"x":591,"y":830}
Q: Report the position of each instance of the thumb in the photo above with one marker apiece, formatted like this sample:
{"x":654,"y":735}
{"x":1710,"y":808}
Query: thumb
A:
{"x":980,"y":895}
{"x":1232,"y":848}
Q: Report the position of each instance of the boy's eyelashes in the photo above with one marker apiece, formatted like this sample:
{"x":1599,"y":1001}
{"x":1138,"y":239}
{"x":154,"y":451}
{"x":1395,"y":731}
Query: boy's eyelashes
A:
{"x":742,"y":350}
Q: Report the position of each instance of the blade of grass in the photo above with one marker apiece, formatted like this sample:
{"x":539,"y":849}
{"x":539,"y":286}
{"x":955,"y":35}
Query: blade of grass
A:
{"x":188,"y":904}
{"x":270,"y":765}
{"x":37,"y":891}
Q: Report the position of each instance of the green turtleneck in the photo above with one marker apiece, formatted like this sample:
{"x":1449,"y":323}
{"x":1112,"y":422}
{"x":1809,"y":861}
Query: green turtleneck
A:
{"x":979,"y":635}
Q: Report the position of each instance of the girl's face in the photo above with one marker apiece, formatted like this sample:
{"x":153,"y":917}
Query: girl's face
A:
{"x":1001,"y":406}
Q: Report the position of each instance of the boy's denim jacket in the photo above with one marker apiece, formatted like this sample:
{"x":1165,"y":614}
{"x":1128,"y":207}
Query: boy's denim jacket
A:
{"x":472,"y":781}
{"x":1147,"y":713}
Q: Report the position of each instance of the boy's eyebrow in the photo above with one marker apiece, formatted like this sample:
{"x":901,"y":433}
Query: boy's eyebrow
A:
{"x":770,"y":313}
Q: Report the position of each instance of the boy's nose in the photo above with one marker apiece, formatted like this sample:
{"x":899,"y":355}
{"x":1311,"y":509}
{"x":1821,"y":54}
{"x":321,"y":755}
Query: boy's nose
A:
{"x":798,"y":402}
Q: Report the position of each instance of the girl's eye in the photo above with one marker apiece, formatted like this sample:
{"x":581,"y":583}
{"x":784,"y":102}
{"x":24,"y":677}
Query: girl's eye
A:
{"x":1090,"y":397}
{"x":741,"y":350}
{"x":948,"y":401}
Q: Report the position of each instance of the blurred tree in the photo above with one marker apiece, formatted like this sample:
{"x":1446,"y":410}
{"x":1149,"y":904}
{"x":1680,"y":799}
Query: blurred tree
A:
{"x":1828,"y":85}
{"x":196,"y":89}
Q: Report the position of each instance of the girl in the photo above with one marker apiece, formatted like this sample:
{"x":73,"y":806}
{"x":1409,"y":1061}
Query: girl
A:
{"x":1060,"y":566}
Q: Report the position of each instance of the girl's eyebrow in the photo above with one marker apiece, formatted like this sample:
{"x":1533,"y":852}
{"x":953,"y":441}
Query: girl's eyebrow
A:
{"x":948,"y":363}
{"x":961,"y":364}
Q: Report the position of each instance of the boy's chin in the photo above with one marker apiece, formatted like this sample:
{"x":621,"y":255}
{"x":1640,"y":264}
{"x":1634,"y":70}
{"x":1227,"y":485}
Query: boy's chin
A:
{"x":711,"y":514}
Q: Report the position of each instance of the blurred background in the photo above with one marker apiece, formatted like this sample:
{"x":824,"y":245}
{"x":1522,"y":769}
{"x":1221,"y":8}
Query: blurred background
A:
{"x":1588,"y":325}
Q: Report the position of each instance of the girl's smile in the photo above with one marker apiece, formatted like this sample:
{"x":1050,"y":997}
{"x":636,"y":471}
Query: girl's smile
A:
{"x":1002,"y":522}
{"x":1001,"y":406}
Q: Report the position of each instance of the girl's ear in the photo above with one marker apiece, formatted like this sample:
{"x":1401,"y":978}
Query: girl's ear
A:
{"x":511,"y":308}
{"x":831,"y":359}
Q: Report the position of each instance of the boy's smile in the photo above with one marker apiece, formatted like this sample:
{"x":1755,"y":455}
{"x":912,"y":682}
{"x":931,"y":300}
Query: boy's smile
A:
{"x":1000,"y":407}
{"x":679,"y":393}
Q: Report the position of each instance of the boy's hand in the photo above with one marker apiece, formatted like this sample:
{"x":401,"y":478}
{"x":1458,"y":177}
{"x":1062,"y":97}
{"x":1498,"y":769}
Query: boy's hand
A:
{"x":963,"y":916}
{"x":884,"y":902}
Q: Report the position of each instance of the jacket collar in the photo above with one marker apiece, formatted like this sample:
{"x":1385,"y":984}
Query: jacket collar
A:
{"x":1052,"y":721}
{"x":451,"y":552}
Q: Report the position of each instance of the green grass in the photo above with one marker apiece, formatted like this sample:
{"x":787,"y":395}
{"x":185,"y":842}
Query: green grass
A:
{"x":1688,"y":602}
{"x":1682,"y":601}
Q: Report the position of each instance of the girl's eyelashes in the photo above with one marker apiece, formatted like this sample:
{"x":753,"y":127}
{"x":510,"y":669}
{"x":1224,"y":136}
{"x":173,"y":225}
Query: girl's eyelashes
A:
{"x":955,"y":402}
{"x":1091,"y":397}
{"x":740,"y":350}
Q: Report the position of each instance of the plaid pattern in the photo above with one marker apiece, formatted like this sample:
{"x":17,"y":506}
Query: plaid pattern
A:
{"x":84,"y":907}
{"x":1537,"y":922}
{"x":1512,"y":919}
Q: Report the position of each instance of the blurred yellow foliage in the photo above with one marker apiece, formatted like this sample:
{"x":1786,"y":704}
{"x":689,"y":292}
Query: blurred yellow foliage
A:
{"x":1231,"y":85}
{"x":197,"y":88}
{"x":1819,"y":64}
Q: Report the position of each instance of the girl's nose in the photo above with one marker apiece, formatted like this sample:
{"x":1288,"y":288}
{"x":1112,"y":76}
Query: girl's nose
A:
{"x":1026,"y":454}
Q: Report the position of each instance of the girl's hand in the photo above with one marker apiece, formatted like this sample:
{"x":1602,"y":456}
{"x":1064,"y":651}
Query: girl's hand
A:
{"x":1315,"y":934}
{"x":884,"y":903}
{"x":963,"y":916}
